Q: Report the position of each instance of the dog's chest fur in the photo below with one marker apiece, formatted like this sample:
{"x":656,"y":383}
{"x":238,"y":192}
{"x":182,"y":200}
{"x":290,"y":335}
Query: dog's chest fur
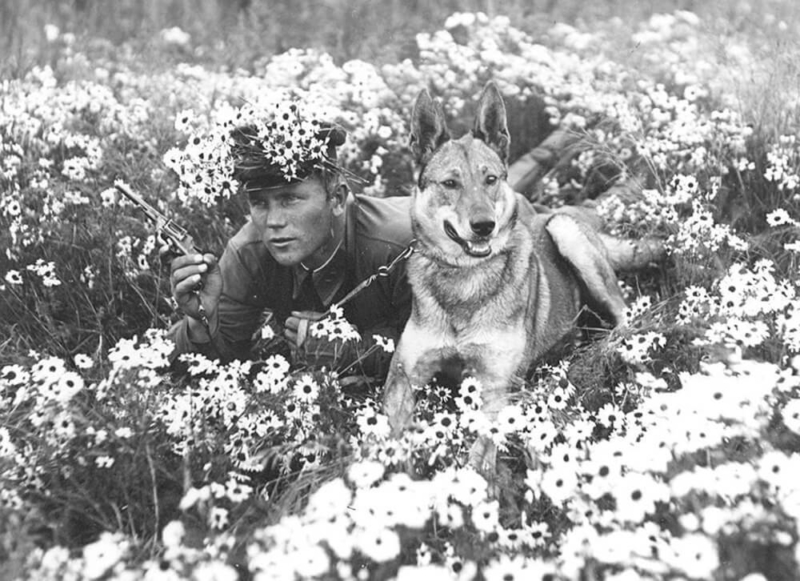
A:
{"x":456,"y":310}
{"x":461,"y":309}
{"x":464,"y":296}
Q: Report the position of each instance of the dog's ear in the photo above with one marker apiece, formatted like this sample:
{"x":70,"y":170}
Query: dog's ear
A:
{"x":428,"y":129}
{"x":491,"y":126}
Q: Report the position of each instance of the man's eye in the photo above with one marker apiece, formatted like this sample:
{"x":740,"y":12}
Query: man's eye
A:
{"x":450,"y":184}
{"x":491,"y":180}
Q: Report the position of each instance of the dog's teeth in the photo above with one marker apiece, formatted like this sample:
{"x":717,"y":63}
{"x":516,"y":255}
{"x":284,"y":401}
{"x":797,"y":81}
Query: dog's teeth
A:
{"x":479,"y":250}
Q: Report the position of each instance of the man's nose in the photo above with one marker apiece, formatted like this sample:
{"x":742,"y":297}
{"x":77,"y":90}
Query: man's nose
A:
{"x":276,"y":219}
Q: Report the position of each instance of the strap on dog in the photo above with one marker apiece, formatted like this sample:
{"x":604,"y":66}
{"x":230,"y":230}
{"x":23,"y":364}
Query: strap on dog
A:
{"x":383,"y":271}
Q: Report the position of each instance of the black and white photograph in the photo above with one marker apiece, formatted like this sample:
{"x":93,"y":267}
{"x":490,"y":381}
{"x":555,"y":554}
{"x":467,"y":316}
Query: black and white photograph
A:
{"x":384,"y":290}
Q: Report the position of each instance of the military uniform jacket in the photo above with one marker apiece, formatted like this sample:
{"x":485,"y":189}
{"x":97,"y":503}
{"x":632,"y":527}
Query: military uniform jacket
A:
{"x":376,"y":231}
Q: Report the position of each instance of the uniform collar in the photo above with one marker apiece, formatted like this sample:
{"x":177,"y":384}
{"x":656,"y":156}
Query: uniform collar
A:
{"x":329,"y":277}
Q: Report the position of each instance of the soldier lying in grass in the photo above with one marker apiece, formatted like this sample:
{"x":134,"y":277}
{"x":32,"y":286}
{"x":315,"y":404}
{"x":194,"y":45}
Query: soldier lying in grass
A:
{"x":307,"y":243}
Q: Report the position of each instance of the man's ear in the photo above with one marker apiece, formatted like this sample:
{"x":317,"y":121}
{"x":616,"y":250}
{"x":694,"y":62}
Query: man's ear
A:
{"x":490,"y":124}
{"x":428,"y":129}
{"x":338,"y":198}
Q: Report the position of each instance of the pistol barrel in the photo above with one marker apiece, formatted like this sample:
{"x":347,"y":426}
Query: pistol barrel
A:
{"x":174,"y":234}
{"x":151,"y":212}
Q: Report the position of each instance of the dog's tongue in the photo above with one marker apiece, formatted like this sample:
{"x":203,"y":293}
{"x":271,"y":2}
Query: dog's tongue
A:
{"x":477,"y":249}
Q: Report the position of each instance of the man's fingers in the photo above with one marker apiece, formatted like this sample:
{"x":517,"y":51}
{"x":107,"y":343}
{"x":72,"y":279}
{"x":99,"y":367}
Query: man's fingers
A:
{"x":187,"y":285}
{"x":184,"y":267}
{"x":291,"y":337}
{"x":180,"y":272}
{"x":196,"y":283}
{"x":210,"y":260}
{"x":186,"y":279}
{"x":292,"y":323}
{"x":302,"y":332}
{"x":186,"y":259}
{"x":308,"y":315}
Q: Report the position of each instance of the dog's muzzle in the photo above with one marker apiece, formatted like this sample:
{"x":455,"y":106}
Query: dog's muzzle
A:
{"x":477,"y":249}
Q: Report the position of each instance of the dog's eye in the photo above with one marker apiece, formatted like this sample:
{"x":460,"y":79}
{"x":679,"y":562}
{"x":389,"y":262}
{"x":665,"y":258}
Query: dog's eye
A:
{"x":491,"y":180}
{"x":450,"y":184}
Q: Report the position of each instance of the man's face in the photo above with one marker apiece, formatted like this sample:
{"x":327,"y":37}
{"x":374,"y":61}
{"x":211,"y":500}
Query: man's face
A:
{"x":295,"y":221}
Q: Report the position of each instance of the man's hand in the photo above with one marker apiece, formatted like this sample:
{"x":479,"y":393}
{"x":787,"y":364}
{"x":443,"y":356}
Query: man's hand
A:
{"x":195,"y":279}
{"x":296,"y":327}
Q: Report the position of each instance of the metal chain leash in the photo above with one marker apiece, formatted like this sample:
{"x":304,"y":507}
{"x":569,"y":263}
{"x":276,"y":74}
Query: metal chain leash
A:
{"x":382,"y":272}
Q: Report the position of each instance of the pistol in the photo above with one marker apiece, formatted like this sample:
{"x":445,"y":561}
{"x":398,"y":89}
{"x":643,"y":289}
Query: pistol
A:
{"x":178,"y":238}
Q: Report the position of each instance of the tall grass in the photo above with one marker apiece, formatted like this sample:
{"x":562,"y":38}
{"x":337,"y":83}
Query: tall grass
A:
{"x":241,"y":32}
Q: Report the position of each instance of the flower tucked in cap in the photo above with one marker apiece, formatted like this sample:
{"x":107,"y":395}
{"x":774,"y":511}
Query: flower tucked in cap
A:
{"x":279,"y":140}
{"x":283,"y":151}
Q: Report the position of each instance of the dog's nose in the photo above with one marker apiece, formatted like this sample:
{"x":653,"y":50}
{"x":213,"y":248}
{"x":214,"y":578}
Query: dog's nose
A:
{"x":482,"y":227}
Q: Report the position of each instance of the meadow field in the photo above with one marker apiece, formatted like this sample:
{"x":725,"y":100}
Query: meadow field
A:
{"x":663,"y":450}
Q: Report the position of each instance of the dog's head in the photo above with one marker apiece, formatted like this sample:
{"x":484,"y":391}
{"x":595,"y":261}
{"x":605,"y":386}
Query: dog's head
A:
{"x":463,"y":209}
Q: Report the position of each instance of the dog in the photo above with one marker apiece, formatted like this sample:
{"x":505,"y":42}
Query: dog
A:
{"x":495,"y":284}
